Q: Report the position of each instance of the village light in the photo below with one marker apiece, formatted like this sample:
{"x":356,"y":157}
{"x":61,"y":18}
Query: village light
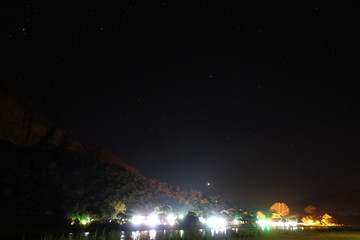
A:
{"x":153,"y":220}
{"x":136,"y":220}
{"x":171,"y":219}
{"x":216,"y":222}
{"x":264,"y":222}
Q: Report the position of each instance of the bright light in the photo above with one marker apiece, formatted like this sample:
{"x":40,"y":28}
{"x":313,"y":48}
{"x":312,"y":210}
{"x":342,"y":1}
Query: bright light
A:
{"x":235,"y":222}
{"x":293,"y":223}
{"x":137,"y":220}
{"x":152,"y":234}
{"x":216,"y":222}
{"x":153,"y":220}
{"x":171,"y":219}
{"x":202,"y":220}
{"x":280,"y":224}
{"x":208,"y":184}
{"x":135,"y":235}
{"x":325,"y":221}
{"x":264,"y":222}
{"x":181,"y":216}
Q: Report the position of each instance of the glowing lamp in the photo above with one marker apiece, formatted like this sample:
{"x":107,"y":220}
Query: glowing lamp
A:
{"x":137,"y":220}
{"x":264,"y":222}
{"x":171,"y":219}
{"x":216,"y":222}
{"x":153,"y":220}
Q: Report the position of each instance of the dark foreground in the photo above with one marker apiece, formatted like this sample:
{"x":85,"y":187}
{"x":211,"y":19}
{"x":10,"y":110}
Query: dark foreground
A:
{"x":335,"y":233}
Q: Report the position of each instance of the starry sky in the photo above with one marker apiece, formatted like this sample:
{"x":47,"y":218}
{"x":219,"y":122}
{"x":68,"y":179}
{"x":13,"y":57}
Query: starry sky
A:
{"x":258,"y":98}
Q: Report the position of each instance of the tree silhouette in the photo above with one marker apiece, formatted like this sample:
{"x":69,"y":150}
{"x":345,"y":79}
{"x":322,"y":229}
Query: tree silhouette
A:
{"x":309,"y":209}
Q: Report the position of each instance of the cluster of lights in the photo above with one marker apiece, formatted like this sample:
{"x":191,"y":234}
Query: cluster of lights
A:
{"x":235,"y":222}
{"x":325,"y":221}
{"x":171,"y":219}
{"x":284,"y":224}
{"x":281,"y":223}
{"x":153,"y":220}
{"x":264,"y":222}
{"x":83,"y":221}
{"x":216,"y":222}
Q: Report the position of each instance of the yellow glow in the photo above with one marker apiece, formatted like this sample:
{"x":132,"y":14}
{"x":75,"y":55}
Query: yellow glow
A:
{"x":325,"y":221}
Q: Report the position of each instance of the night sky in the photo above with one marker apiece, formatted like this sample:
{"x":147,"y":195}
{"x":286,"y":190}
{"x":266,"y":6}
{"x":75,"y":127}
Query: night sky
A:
{"x":259,"y":99}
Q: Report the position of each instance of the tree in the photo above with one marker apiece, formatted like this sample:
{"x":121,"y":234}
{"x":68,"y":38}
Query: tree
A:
{"x":119,"y":208}
{"x":326,"y":220}
{"x":279,"y":209}
{"x":191,"y":221}
{"x":163,"y":208}
{"x":310,"y":209}
{"x":260,"y":215}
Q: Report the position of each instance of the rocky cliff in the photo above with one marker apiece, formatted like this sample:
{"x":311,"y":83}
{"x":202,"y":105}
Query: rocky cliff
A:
{"x":23,"y":125}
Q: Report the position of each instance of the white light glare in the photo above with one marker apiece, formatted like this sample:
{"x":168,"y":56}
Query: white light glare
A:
{"x":235,"y":222}
{"x":137,"y":220}
{"x":216,"y":222}
{"x":153,"y":220}
{"x":171,"y":219}
{"x":293,"y":223}
{"x":263,"y":223}
{"x":202,"y":220}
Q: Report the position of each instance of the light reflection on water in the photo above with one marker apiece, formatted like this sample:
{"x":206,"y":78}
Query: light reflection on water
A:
{"x":168,"y":234}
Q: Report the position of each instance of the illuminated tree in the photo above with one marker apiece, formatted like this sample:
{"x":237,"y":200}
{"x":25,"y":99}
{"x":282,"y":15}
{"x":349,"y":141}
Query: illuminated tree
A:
{"x":310,"y":209}
{"x":260,"y":215}
{"x":326,"y":220}
{"x":119,"y":208}
{"x":163,"y":209}
{"x":279,"y":209}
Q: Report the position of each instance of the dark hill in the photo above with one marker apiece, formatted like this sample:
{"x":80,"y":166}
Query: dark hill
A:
{"x":46,"y":171}
{"x":101,"y":153}
{"x":23,"y":125}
